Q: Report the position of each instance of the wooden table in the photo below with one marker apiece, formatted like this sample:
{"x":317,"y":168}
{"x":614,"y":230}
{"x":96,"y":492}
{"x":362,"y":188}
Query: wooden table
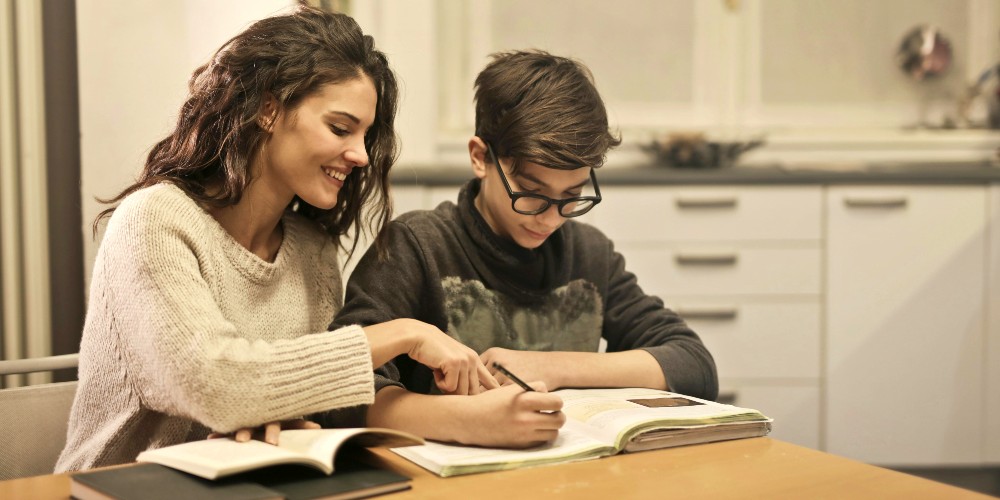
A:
{"x":746,"y":468}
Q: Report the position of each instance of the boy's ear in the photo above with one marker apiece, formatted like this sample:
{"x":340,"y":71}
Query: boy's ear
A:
{"x":477,"y":155}
{"x":268,"y":113}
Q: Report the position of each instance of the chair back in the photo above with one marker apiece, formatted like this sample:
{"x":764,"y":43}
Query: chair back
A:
{"x":33,"y":419}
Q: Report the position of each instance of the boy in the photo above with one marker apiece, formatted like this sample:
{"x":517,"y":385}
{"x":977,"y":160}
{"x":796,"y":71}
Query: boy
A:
{"x":507,"y":271}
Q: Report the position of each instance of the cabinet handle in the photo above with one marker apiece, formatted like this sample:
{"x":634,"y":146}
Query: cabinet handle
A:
{"x":892,"y":202}
{"x":706,"y":259}
{"x":717,"y":202}
{"x":709,"y":312}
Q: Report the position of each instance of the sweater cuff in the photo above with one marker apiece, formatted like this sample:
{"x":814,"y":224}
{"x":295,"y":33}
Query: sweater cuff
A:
{"x":340,"y":362}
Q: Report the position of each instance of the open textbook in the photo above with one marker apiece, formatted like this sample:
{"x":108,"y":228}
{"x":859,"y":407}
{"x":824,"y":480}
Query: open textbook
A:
{"x":602,"y":422}
{"x":215,"y":458}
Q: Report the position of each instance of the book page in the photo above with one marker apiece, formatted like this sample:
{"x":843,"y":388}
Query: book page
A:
{"x":618,"y":414}
{"x":575,"y":442}
{"x":321,"y":445}
{"x":214,"y":458}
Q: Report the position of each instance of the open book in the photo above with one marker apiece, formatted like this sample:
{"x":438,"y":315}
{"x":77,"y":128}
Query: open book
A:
{"x":602,"y":422}
{"x":215,"y":458}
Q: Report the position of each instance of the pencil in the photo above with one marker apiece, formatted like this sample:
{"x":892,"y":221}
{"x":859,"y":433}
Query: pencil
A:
{"x":511,"y":376}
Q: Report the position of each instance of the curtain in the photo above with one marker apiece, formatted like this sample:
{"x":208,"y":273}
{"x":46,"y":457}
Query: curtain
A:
{"x":24,"y":246}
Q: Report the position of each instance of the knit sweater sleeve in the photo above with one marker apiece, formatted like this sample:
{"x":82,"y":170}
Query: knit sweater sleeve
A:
{"x":184,"y":357}
{"x":634,"y":320}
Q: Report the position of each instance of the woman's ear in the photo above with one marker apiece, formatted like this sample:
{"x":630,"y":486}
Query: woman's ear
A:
{"x":268,"y":113}
{"x":478,"y":157}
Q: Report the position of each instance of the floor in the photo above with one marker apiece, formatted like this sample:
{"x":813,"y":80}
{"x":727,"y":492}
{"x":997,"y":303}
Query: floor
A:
{"x":984,"y":480}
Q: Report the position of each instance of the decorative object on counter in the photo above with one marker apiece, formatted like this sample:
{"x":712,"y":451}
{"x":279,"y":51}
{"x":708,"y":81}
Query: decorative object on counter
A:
{"x":694,"y":150}
{"x":924,"y":53}
{"x":984,"y":92}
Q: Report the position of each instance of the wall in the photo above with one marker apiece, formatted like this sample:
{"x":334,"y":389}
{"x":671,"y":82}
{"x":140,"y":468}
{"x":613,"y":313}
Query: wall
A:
{"x":135,"y":58}
{"x":703,"y":65}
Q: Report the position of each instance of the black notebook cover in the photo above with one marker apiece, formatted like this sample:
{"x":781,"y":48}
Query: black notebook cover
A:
{"x":157,"y":482}
{"x":347,"y":482}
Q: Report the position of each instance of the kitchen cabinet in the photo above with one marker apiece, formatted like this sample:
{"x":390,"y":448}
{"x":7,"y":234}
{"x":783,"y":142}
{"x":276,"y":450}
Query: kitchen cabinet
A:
{"x":865,"y":319}
{"x":742,"y":265}
{"x":992,"y":393}
{"x":905,"y":323}
{"x":698,"y":65}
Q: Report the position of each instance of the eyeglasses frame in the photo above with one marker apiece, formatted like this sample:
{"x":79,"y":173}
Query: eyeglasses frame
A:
{"x":514,"y":196}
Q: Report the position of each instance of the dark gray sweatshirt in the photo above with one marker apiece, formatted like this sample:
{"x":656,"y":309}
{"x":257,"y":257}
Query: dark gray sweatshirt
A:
{"x":446,"y":267}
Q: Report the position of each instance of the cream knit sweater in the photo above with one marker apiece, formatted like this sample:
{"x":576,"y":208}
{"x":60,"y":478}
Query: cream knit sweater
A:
{"x":188,"y":331}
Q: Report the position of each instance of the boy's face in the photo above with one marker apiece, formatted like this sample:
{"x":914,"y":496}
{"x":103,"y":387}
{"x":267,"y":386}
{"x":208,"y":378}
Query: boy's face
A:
{"x":494,"y":202}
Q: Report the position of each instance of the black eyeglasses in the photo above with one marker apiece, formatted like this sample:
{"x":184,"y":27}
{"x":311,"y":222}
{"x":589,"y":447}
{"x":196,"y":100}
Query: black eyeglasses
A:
{"x":534,"y":204}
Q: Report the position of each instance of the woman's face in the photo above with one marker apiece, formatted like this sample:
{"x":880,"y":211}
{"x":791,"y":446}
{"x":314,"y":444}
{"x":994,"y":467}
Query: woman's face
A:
{"x":313,"y":148}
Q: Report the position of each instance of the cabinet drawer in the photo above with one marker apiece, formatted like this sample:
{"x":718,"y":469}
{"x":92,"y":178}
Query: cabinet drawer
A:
{"x":757,"y":340}
{"x":670,"y":270}
{"x":795,"y":409}
{"x":710,"y":214}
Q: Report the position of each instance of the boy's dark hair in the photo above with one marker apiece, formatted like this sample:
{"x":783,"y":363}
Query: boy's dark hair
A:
{"x":219,"y":131}
{"x":534,"y":106}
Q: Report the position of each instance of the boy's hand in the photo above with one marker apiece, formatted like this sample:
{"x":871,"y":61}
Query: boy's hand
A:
{"x":510,"y":417}
{"x":528,"y":365}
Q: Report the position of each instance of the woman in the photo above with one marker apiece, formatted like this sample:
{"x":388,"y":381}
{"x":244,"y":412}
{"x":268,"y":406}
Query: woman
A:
{"x":218,"y":271}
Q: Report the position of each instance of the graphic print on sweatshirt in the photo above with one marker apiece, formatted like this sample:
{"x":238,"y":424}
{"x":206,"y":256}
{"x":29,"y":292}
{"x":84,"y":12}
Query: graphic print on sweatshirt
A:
{"x":567,"y":319}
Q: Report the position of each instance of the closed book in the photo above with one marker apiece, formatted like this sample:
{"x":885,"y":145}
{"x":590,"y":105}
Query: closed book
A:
{"x":293,"y":482}
{"x":352,"y":480}
{"x":156,"y":482}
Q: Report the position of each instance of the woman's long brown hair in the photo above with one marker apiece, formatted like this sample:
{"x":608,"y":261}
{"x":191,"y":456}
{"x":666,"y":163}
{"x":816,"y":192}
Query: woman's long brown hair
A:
{"x":218,"y":132}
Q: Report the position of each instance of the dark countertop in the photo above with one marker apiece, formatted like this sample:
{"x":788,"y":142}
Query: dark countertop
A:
{"x":874,"y":173}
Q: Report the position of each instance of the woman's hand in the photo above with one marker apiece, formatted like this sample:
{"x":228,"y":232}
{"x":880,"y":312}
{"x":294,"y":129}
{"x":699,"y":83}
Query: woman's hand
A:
{"x":270,"y":431}
{"x":457,"y":369}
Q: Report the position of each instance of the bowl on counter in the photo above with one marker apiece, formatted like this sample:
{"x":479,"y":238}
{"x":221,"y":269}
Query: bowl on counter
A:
{"x":695,"y":150}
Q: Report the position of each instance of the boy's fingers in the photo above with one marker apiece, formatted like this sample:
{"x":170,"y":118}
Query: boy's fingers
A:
{"x":486,"y":378}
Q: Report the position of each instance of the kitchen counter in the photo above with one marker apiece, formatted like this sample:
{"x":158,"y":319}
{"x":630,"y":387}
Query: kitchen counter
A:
{"x":871,"y":173}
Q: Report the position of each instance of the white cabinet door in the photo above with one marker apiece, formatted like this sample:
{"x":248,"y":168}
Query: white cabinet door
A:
{"x":993,"y":335}
{"x":795,"y":409}
{"x":905,"y":324}
{"x":796,"y":75}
